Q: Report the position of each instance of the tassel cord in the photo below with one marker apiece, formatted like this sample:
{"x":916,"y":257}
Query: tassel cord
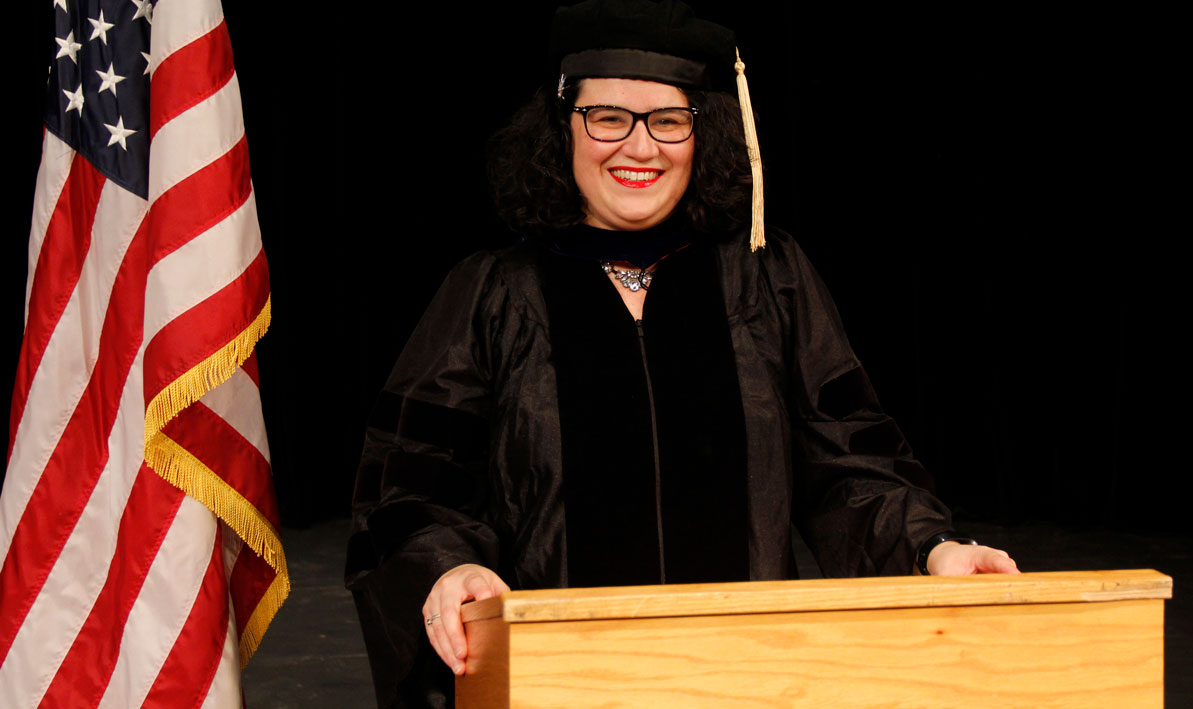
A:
{"x":757,"y":223}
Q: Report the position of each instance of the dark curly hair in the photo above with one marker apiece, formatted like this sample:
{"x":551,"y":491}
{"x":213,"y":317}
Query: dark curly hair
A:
{"x":530,"y":166}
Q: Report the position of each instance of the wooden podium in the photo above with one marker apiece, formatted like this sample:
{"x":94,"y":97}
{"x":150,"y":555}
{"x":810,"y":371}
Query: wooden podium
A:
{"x":1071,"y":639}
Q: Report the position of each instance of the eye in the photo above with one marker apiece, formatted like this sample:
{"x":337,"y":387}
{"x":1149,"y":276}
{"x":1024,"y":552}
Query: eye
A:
{"x":669,"y":120}
{"x":608,"y":117}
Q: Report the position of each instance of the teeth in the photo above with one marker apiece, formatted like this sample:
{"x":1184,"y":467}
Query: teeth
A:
{"x":636,"y":175}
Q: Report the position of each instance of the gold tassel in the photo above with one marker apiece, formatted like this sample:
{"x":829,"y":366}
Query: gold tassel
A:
{"x":757,"y":225}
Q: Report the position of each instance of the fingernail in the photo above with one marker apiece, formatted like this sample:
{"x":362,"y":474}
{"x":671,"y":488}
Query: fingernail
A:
{"x":459,"y":669}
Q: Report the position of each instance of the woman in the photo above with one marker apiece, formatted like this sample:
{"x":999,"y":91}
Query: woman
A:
{"x":550,"y":425}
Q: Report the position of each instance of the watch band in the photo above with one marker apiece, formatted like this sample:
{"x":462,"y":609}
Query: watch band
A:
{"x":921,"y":559}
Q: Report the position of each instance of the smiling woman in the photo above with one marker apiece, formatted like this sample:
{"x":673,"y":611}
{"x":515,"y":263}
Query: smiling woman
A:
{"x":629,"y":395}
{"x":634,"y":181}
{"x":535,"y":190}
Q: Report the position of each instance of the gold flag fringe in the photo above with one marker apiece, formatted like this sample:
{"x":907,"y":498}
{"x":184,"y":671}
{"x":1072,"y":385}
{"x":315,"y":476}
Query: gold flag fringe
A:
{"x":757,"y":225}
{"x":181,"y":468}
{"x":204,"y":376}
{"x":262,"y":615}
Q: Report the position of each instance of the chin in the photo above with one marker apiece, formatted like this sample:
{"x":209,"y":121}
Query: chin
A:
{"x":632,"y":220}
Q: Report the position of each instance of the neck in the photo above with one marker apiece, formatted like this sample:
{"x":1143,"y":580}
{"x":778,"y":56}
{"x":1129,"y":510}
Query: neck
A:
{"x":642,"y":248}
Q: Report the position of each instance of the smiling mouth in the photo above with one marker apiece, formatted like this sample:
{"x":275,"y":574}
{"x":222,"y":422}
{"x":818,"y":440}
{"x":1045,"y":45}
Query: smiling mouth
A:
{"x":635,"y":178}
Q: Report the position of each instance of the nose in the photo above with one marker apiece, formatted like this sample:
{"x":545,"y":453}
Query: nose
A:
{"x":639,"y":144}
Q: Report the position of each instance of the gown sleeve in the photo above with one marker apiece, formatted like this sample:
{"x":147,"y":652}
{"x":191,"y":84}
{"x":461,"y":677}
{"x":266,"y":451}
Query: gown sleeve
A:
{"x":422,"y":485}
{"x":862,"y":501}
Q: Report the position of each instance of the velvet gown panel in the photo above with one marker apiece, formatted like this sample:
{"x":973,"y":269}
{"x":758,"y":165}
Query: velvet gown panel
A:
{"x":651,"y":424}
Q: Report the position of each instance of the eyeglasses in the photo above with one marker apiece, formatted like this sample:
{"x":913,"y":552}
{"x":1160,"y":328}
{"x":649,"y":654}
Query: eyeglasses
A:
{"x":610,"y":124}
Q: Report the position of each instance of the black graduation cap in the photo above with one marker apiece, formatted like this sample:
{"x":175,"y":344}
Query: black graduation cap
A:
{"x":635,"y":39}
{"x":656,"y":41}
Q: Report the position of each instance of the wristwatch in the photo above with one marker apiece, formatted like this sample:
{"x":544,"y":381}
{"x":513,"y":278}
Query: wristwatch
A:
{"x":921,"y":559}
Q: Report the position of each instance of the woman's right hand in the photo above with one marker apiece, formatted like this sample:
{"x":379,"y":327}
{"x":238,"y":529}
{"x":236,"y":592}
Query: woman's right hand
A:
{"x":441,"y":612}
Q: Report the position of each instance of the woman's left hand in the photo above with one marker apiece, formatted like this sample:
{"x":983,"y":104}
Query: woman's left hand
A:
{"x":953,"y":559}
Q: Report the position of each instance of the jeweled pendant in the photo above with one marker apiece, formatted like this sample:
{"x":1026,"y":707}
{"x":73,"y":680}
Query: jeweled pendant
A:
{"x":634,"y":280}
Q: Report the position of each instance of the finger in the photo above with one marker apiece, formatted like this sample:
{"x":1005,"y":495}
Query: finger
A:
{"x":1006,"y":565}
{"x":432,"y":635}
{"x":444,"y":647}
{"x":479,"y":588}
{"x":996,"y":561}
{"x":449,"y":643}
{"x":447,"y":650}
{"x":435,"y":632}
{"x":436,"y":637}
{"x":454,"y":638}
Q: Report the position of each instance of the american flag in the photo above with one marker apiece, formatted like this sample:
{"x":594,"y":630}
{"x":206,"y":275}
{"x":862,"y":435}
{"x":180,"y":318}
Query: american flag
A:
{"x":138,"y":524}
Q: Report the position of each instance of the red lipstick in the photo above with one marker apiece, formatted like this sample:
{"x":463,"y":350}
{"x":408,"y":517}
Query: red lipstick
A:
{"x":626,"y":180}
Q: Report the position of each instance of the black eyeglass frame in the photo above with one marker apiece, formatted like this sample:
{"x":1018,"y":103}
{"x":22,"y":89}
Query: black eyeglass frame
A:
{"x":583,"y":110}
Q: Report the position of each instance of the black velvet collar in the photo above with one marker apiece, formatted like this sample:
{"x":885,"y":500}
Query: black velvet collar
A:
{"x":641,"y":248}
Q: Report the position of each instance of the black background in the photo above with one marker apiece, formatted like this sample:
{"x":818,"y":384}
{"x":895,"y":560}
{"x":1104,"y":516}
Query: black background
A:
{"x":989,"y":193}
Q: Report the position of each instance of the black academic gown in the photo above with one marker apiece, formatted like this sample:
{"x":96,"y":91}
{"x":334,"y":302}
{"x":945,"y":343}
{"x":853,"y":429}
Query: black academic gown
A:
{"x":490,"y":403}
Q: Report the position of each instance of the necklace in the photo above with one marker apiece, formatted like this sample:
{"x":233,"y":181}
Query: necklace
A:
{"x":634,"y":278}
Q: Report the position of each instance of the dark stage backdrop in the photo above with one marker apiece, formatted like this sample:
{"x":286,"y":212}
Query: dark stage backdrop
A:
{"x":981,"y":189}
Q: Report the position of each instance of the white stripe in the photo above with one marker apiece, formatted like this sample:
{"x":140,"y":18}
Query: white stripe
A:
{"x":224,"y":691}
{"x":225,"y":685}
{"x":165,"y":602}
{"x":238,"y":402}
{"x":56,"y":158}
{"x":177,"y":23}
{"x":70,"y":355}
{"x":233,"y":545}
{"x":201,"y":267}
{"x":195,"y":138}
{"x":80,"y":571}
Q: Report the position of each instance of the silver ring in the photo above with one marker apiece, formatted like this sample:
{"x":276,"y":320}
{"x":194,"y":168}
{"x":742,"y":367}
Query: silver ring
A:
{"x":432,"y":619}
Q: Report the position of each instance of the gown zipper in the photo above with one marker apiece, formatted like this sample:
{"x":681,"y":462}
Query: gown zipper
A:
{"x":654,"y":440}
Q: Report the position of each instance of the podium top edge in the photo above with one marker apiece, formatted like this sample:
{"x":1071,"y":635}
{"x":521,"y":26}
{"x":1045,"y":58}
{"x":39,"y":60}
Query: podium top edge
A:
{"x":821,"y":595}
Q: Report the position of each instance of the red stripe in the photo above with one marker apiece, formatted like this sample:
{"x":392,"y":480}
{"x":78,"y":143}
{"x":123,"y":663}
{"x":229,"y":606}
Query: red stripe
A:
{"x":186,"y":675}
{"x":66,"y":483}
{"x":59,"y":263}
{"x":230,"y":455}
{"x":201,"y":201}
{"x":84,"y":673}
{"x":190,"y":75}
{"x":194,"y":335}
{"x":250,"y":368}
{"x":251,"y":578}
{"x":76,"y":463}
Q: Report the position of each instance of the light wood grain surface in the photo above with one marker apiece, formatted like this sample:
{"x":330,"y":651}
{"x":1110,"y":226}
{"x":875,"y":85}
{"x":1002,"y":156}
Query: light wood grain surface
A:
{"x":821,"y":594}
{"x":1046,"y":655}
{"x":1073,"y":639}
